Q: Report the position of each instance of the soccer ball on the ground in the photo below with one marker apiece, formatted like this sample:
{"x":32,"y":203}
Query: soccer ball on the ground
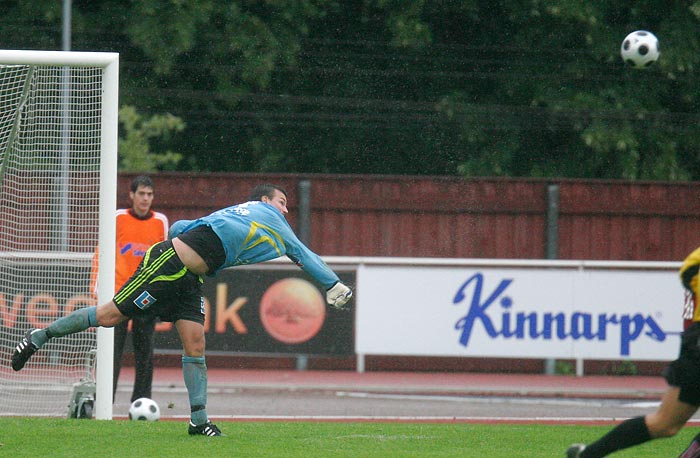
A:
{"x":640,"y":49}
{"x":144,"y":409}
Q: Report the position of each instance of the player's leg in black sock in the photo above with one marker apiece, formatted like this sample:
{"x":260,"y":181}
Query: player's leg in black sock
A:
{"x":142,"y":335}
{"x":120,"y":332}
{"x":627,"y":434}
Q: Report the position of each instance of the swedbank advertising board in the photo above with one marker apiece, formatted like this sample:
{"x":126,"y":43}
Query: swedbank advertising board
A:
{"x":250,"y":310}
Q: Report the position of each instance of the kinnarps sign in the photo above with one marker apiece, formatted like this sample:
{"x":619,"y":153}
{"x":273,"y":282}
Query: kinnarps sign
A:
{"x":536,"y":312}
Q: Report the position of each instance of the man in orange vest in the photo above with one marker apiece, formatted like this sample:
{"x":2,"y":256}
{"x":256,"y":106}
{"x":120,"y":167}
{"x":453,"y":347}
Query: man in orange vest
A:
{"x":138,"y":228}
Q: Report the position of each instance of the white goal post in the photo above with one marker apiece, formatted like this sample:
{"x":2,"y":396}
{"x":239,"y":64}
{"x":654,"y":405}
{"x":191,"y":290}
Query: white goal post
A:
{"x":58,"y":174}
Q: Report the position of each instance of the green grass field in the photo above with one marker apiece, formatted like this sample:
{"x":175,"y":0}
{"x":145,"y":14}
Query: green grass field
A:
{"x":35,"y":437}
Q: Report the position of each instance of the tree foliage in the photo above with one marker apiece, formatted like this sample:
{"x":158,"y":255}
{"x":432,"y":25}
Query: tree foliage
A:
{"x":474,"y":88}
{"x":137,"y":137}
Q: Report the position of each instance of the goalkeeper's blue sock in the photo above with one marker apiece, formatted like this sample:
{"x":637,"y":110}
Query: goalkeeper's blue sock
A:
{"x":194,"y":370}
{"x":77,"y":321}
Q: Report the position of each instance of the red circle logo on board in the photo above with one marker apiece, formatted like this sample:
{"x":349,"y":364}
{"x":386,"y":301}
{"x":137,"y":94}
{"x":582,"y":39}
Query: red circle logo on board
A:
{"x":292,"y":310}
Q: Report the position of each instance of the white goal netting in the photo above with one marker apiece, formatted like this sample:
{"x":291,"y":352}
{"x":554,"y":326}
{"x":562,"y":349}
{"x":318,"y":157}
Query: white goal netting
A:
{"x":50,"y":171}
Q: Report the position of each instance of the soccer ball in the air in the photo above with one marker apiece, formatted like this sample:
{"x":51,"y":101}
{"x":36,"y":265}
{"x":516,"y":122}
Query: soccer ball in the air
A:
{"x":640,"y":49}
{"x":144,"y":409}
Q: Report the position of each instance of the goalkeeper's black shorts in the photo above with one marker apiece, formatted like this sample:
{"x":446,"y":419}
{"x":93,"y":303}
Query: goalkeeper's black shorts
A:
{"x":684,"y":372}
{"x":162,"y":286}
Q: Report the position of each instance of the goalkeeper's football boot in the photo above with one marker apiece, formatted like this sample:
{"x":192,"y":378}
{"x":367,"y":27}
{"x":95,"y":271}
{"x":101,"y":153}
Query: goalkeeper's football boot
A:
{"x":23,"y":351}
{"x":207,"y":429}
{"x":575,"y":451}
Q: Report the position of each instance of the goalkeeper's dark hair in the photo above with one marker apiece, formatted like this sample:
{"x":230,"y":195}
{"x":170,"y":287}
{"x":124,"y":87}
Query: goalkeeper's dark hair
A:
{"x":141,"y":180}
{"x":267,"y":190}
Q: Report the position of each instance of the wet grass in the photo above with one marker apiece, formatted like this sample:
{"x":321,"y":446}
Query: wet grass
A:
{"x":33,"y":437}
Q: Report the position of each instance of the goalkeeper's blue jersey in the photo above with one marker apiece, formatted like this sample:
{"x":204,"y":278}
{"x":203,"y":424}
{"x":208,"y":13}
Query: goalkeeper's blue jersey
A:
{"x":255,"y":232}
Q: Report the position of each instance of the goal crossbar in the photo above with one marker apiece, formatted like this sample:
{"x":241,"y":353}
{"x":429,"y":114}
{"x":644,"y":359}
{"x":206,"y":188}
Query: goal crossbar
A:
{"x":61,"y":58}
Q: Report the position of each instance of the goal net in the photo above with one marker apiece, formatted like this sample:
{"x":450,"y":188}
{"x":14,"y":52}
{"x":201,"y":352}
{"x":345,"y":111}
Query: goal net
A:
{"x":58,"y":135}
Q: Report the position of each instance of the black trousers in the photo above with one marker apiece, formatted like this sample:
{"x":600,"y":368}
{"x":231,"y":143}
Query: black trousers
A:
{"x":142,"y":332}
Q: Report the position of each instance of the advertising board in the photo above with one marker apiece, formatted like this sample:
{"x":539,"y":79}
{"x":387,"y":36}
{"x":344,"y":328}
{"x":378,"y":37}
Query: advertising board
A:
{"x":269,"y":311}
{"x":556,"y":311}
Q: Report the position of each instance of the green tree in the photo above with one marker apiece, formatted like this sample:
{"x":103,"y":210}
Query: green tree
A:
{"x":138,"y":135}
{"x":476,"y":87}
{"x":551,"y":96}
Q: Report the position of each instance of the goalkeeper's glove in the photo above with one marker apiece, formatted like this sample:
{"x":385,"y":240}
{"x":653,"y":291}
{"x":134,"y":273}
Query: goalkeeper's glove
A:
{"x":338,"y":295}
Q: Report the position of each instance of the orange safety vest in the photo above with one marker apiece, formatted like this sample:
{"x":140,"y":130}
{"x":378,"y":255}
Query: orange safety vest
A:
{"x":134,"y":237}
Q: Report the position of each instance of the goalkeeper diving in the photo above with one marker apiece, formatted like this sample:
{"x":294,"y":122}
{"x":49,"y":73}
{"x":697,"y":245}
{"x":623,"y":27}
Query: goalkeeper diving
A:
{"x":168,"y":283}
